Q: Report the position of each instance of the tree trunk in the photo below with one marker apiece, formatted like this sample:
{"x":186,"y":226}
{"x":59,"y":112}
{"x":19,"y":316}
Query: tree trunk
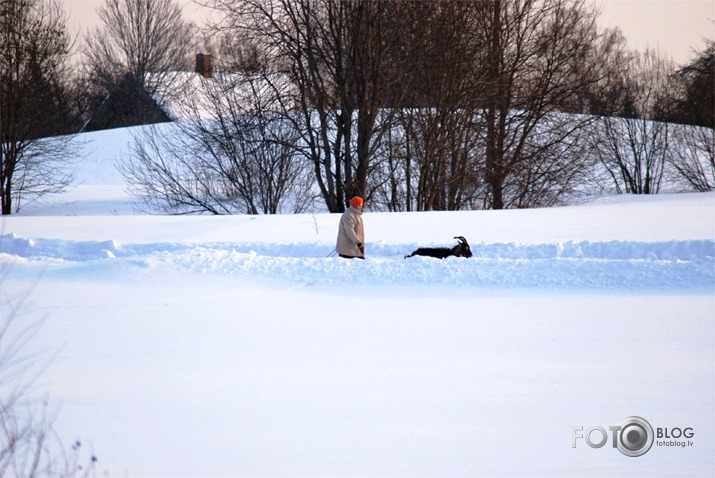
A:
{"x":494,"y":176}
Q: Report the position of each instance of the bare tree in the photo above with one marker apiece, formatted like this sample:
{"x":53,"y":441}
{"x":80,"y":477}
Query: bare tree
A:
{"x":430,"y":160}
{"x":335,"y":52}
{"x":436,"y":133}
{"x":695,"y":103}
{"x":35,"y":49}
{"x":556,"y":163}
{"x":236,"y":155}
{"x":485,"y":121}
{"x":532,"y":54}
{"x":46,"y":166}
{"x":635,"y":150}
{"x":146,"y":40}
{"x":693,"y":156}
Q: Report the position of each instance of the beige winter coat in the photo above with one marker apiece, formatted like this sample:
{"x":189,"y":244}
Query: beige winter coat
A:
{"x":350,"y":233}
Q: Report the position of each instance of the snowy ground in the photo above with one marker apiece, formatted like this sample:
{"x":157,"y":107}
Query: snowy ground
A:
{"x":234,"y":346}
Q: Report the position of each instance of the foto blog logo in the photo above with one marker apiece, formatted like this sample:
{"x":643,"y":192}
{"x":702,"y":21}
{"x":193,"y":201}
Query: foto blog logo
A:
{"x":633,"y":436}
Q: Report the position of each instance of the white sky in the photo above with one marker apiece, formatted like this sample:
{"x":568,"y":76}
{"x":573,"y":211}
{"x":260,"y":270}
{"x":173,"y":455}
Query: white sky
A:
{"x":674,"y":27}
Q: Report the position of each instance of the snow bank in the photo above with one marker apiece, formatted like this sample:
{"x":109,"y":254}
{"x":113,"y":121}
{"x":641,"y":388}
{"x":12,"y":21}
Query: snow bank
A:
{"x":572,"y":265}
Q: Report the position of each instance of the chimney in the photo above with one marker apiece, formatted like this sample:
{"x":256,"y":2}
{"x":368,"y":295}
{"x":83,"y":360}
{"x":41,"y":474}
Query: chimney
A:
{"x":204,"y":65}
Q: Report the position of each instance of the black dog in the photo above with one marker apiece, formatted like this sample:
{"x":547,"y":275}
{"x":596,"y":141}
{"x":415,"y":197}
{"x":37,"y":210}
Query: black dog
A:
{"x":460,"y":250}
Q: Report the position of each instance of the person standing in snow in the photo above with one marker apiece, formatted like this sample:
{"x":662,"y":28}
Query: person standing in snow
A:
{"x":351,"y":234}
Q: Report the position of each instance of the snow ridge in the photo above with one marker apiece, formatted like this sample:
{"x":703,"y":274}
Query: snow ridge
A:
{"x":613,"y":265}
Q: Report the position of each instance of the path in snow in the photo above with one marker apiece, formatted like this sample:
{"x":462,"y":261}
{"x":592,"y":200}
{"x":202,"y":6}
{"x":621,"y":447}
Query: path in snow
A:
{"x":614,"y":265}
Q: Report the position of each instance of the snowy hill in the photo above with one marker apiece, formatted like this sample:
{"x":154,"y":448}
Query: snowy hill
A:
{"x":238,"y":346}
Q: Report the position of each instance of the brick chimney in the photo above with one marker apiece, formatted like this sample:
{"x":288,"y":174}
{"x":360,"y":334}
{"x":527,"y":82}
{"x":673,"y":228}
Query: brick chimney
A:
{"x":204,"y":65}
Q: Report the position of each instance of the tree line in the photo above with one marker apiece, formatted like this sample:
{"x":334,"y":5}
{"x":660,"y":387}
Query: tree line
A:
{"x":414,"y":105}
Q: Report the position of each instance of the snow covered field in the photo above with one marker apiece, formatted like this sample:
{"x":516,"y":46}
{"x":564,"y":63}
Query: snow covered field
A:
{"x":235,"y":346}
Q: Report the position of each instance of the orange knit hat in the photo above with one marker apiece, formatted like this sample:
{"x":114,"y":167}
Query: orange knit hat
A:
{"x":356,"y":201}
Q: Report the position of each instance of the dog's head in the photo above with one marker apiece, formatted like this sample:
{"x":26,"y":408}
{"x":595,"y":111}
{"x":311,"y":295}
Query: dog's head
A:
{"x":462,"y":249}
